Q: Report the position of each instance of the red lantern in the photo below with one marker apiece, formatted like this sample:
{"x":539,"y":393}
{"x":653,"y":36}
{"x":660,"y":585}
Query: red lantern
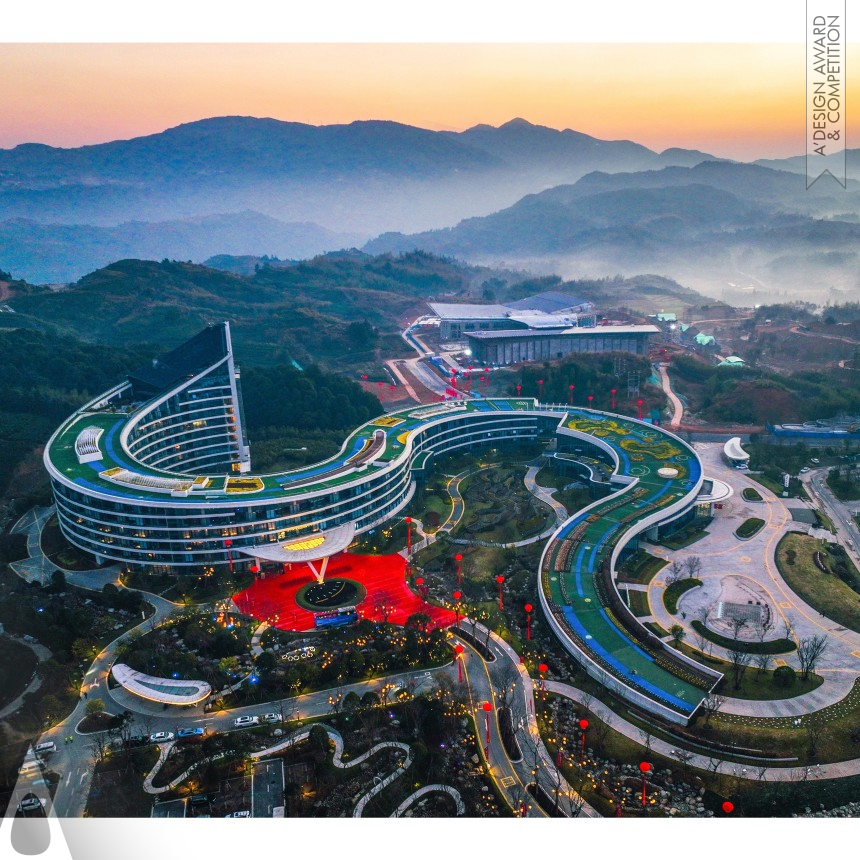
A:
{"x":543,"y":668}
{"x":487,"y":708}
{"x":644,"y":767}
{"x":639,"y":404}
{"x":613,"y":392}
{"x":570,"y":388}
{"x":458,"y":595}
{"x":500,"y":579}
{"x":528,"y":608}
{"x":728,"y":807}
{"x":254,"y":569}
{"x":583,"y":725}
{"x":458,"y":650}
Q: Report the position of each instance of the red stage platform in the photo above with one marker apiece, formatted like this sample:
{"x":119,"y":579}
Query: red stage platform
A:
{"x":273,"y":599}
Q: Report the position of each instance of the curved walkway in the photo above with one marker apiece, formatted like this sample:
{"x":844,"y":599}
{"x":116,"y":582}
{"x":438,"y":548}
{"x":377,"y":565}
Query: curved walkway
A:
{"x":796,"y":773}
{"x":677,"y":406}
{"x":429,"y":789}
{"x":338,"y":761}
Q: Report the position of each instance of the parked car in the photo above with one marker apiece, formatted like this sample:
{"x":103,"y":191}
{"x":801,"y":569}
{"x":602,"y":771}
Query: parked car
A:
{"x":45,"y":748}
{"x":244,"y":722}
{"x":271,"y":718}
{"x":242,"y":813}
{"x":137,"y":741}
{"x":190,"y":733}
{"x":804,"y":470}
{"x":815,"y":461}
{"x":30,"y":768}
{"x":161,"y":737}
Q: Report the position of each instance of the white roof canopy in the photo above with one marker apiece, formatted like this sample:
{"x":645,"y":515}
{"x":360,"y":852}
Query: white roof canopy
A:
{"x":303,"y":548}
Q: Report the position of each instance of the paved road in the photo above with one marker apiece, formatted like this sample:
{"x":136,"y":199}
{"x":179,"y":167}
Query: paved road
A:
{"x":847,"y":532}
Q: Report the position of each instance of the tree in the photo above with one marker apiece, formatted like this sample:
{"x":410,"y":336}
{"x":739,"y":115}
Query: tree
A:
{"x":678,"y":634}
{"x":266,"y":663}
{"x":740,"y":660}
{"x":94,"y":707}
{"x":711,"y":704}
{"x":693,"y":566}
{"x":762,"y":661}
{"x":229,"y":665}
{"x":809,"y":652}
{"x":676,"y":571}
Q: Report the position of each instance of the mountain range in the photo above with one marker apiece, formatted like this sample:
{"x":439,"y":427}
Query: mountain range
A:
{"x":519,"y":194}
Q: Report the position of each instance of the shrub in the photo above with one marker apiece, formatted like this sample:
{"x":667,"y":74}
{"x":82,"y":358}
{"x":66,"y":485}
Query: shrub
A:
{"x":784,"y":676}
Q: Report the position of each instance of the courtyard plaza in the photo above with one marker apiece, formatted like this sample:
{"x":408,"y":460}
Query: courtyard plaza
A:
{"x":752,"y":563}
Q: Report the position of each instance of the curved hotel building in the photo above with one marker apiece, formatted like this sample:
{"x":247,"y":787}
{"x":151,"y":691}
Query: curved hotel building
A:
{"x":156,"y":472}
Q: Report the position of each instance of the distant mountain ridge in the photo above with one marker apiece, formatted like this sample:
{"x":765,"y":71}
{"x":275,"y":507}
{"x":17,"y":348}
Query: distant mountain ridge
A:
{"x":59,"y":253}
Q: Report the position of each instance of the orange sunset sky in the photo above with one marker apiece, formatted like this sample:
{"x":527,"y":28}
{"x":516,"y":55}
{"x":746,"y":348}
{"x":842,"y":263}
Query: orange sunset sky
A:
{"x":740,"y":101}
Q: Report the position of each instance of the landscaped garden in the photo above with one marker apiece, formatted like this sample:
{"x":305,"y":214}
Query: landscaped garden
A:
{"x":499,"y":508}
{"x":751,"y":495}
{"x":823,"y":575}
{"x":675,"y":590}
{"x":640,"y":567}
{"x":74,"y":625}
{"x":770,"y":646}
{"x":749,"y":528}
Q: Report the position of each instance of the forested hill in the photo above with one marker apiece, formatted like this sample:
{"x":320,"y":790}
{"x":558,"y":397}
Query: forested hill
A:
{"x":300,"y":312}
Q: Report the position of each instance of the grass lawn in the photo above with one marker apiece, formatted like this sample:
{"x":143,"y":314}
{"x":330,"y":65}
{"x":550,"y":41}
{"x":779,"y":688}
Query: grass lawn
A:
{"x":673,"y":593}
{"x":847,"y":491}
{"x":823,"y":591}
{"x":773,"y":646}
{"x":17,"y":664}
{"x":639,"y":605}
{"x":795,"y":488}
{"x":755,"y":685}
{"x":641,"y":567}
{"x":683,"y":538}
{"x":835,"y":730}
{"x":749,"y":528}
{"x":751,"y":494}
{"x":656,"y":629}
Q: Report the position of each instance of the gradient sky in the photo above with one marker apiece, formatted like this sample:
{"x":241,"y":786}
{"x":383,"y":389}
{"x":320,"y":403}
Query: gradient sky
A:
{"x":740,"y":101}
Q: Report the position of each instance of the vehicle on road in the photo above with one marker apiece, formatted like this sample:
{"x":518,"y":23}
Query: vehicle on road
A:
{"x":814,"y":460}
{"x":190,"y":733}
{"x":244,"y":722}
{"x":271,"y":718}
{"x":242,"y":813}
{"x":45,"y":748}
{"x":30,"y":803}
{"x":30,"y":768}
{"x":161,"y":737}
{"x":804,"y":470}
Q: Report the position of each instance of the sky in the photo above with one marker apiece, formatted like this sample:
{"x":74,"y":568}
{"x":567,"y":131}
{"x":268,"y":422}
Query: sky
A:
{"x":733,"y":100}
